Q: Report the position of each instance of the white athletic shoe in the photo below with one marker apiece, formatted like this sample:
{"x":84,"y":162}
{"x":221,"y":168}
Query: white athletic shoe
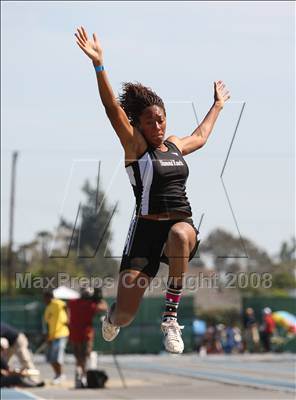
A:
{"x":173,"y":342}
{"x":109,"y":331}
{"x":58,"y":379}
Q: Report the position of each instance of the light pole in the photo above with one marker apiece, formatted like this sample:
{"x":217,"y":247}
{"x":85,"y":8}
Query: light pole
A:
{"x":10,"y":256}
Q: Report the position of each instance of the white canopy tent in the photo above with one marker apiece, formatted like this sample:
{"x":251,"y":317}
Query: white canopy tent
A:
{"x":65,"y":293}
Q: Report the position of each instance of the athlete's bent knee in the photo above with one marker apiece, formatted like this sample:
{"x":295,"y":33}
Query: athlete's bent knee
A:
{"x":178,"y":236}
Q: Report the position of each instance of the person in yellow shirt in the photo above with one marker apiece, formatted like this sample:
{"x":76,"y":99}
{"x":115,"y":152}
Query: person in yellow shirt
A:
{"x":56,"y":318}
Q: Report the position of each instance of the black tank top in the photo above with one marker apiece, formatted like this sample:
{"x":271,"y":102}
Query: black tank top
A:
{"x":158,"y":179}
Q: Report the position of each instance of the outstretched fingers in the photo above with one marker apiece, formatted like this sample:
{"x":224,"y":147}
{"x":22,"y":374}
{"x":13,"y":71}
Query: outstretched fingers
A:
{"x":84,"y":33}
{"x":82,"y":47}
{"x":88,"y":45}
{"x":81,"y":35}
{"x":80,"y":41}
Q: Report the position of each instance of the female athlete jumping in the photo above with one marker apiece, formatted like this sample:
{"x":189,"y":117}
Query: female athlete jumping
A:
{"x":162,"y":228}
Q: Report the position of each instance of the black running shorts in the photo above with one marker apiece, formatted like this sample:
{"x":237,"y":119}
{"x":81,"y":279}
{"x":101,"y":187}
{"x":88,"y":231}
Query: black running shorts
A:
{"x":144,"y":246}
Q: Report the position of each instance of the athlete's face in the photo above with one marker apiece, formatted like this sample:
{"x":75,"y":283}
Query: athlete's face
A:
{"x":153,"y":124}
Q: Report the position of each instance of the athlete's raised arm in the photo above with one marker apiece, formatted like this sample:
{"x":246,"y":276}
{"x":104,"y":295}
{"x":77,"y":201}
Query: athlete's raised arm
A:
{"x":93,"y":49}
{"x":200,"y":135}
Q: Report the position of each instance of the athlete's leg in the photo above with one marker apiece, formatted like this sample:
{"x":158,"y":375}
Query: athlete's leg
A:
{"x":181,"y":241}
{"x":131,"y":288}
{"x":139,"y":264}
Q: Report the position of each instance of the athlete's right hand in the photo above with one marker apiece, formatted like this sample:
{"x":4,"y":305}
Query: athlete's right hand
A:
{"x":91,"y":48}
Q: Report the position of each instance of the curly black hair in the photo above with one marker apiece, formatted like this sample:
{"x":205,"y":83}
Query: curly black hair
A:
{"x":135,"y":98}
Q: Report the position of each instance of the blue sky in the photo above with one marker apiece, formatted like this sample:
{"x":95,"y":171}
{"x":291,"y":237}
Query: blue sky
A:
{"x":51,"y":113}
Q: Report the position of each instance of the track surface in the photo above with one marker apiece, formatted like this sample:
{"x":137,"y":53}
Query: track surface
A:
{"x":270,"y":376}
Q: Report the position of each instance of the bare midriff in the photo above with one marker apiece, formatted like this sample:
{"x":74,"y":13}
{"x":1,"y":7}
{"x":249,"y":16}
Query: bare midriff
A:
{"x":166,"y":215}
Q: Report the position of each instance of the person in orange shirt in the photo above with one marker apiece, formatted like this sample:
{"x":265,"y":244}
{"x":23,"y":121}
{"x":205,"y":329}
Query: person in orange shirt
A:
{"x":56,"y":318}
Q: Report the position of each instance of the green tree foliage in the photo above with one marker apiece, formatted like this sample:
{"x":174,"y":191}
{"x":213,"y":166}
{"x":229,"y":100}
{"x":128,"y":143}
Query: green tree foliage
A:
{"x":95,"y":217}
{"x":284,"y":273}
{"x":3,"y":272}
{"x":287,"y":251}
{"x":228,"y":253}
{"x":81,"y":250}
{"x":93,"y":236}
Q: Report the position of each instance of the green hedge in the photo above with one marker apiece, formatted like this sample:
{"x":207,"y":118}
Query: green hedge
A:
{"x":142,"y":336}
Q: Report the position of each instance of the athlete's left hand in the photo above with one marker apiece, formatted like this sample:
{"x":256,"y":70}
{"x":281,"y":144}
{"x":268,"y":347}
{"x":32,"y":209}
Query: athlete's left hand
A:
{"x":221,"y":93}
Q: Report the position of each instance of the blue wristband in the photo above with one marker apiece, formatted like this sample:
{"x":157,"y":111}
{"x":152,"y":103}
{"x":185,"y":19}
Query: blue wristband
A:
{"x":99,"y":68}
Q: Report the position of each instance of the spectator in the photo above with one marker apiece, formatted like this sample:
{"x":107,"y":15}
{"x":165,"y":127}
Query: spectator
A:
{"x":199,"y":328}
{"x":229,"y":339}
{"x":267,"y":329}
{"x":252,"y":338}
{"x":213,"y":339}
{"x":10,"y":377}
{"x":55,"y":316}
{"x":81,"y":314}
{"x":18,"y":346}
{"x":238,"y":339}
